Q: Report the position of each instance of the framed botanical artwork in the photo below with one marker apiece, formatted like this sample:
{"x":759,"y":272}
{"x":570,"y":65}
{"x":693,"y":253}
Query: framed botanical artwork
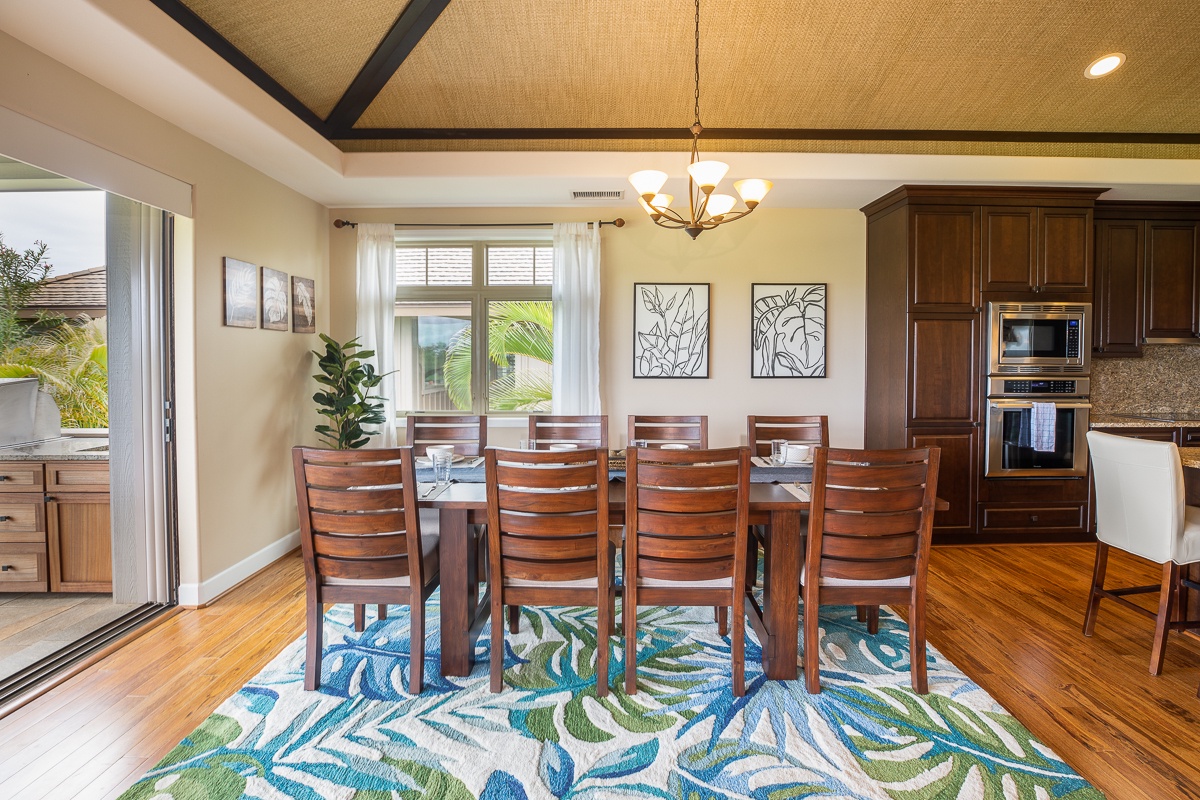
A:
{"x":274,"y":299}
{"x":304,"y":305}
{"x":787,"y":330}
{"x":241,"y":294}
{"x":670,"y":330}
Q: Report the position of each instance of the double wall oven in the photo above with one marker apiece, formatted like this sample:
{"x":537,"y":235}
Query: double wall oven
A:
{"x":1038,"y":405}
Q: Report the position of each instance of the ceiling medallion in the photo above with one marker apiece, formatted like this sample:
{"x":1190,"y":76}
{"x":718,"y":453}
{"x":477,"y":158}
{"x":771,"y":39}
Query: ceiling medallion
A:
{"x":706,"y":210}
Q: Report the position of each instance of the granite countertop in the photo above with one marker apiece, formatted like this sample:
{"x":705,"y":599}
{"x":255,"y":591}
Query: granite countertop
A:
{"x":1124,"y":421}
{"x":67,"y":448}
{"x":1190,"y":456}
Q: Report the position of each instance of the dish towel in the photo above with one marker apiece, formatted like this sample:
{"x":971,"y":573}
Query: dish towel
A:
{"x":1042,"y":417}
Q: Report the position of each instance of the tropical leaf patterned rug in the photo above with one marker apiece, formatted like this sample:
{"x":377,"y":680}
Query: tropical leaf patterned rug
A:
{"x":683,"y":735}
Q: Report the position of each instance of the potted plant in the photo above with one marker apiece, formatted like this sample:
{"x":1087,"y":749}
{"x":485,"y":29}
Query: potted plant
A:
{"x":347,"y":400}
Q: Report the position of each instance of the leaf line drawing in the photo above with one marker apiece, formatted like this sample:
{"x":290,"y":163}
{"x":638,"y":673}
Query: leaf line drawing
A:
{"x":671,"y":331}
{"x":788,"y":330}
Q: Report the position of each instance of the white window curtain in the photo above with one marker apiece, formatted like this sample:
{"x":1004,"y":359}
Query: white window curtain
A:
{"x":576,"y":294}
{"x":377,"y":314}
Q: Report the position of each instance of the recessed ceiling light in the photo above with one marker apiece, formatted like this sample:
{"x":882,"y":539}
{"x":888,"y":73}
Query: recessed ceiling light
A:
{"x":1104,"y":65}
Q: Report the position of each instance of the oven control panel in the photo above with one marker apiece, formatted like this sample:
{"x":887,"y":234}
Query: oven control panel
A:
{"x":1038,"y":387}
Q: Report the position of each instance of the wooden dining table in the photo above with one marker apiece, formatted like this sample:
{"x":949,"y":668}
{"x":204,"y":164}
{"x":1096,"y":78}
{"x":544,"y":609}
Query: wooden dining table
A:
{"x":462,"y":506}
{"x":1190,"y":458}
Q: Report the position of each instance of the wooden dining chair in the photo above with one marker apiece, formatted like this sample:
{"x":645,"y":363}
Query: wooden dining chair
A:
{"x":548,"y":541}
{"x":468,"y":433}
{"x":761,"y":430}
{"x":583,"y":431}
{"x":692,"y":431}
{"x":686,"y":513}
{"x":869,"y":531}
{"x":1140,"y":508}
{"x":362,"y":542}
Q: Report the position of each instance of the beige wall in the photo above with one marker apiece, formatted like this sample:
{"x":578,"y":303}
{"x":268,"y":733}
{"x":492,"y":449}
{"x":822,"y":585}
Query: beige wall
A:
{"x":243,"y":393}
{"x":773,"y":245}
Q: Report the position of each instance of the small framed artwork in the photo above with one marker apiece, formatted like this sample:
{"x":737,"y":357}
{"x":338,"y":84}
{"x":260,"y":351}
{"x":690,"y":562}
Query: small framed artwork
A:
{"x":241,"y":294}
{"x":670,"y":330}
{"x":274,"y":299}
{"x":304,"y":305}
{"x":787,"y":330}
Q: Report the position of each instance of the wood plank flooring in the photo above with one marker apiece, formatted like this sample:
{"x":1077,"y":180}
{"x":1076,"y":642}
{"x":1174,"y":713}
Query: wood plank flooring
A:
{"x":34,"y":625}
{"x":1010,"y":617}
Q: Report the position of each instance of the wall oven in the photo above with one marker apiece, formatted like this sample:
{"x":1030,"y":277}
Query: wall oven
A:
{"x":1050,"y":441}
{"x":1039,"y":338}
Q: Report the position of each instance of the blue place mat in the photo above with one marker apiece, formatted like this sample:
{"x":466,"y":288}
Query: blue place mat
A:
{"x":801,"y":473}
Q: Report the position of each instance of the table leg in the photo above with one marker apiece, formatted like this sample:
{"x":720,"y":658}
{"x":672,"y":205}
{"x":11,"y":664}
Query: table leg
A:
{"x":460,"y":591}
{"x":781,"y":596}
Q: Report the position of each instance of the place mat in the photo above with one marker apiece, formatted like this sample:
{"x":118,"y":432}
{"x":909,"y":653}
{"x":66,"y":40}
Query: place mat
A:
{"x":797,"y":490}
{"x":763,"y":461}
{"x":432,"y":488}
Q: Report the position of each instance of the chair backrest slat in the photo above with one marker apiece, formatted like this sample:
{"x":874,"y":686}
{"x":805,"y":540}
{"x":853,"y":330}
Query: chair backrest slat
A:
{"x":653,"y":473}
{"x":585,"y":431}
{"x":467,"y":432}
{"x":526,"y":478}
{"x":549,"y":525}
{"x":344,"y":546}
{"x":692,"y":431}
{"x":698,"y":524}
{"x":813,"y":429}
{"x":359,"y":523}
{"x":340,"y":476}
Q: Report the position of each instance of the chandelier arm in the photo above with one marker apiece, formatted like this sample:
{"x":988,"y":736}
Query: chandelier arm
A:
{"x":670,"y":223}
{"x":670,"y":213}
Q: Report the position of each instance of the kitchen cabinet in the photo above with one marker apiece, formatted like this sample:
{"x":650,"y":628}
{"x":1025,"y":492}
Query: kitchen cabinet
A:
{"x":957,"y":482}
{"x":1037,"y":249}
{"x":1172,"y":290}
{"x":944,"y":273}
{"x":944,"y":369}
{"x":1120,"y":276}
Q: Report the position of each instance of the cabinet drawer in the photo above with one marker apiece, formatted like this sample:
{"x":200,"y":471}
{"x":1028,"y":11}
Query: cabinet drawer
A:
{"x":1056,"y":518}
{"x":77,"y":476}
{"x":23,"y":568}
{"x":22,"y":518}
{"x":19,"y":476}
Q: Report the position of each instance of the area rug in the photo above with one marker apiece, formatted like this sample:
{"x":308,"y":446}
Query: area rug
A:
{"x":683,"y":735}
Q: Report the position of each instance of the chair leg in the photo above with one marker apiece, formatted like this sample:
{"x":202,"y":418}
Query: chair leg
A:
{"x":603,"y":632}
{"x":1098,"y":572}
{"x":872,"y":620}
{"x":514,"y":619}
{"x":916,"y":645}
{"x":496,"y":661}
{"x":722,"y":620}
{"x":1166,"y":604}
{"x":360,"y":617}
{"x":860,"y":613}
{"x":812,"y":649}
{"x":314,"y":644}
{"x":416,"y":643}
{"x":381,"y":610}
{"x":752,"y":560}
{"x":739,"y":650}
{"x":629,"y":616}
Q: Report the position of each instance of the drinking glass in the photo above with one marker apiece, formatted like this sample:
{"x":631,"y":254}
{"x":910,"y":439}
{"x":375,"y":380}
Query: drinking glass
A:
{"x":441,"y":466}
{"x":639,"y":442}
{"x":526,"y":444}
{"x":777,"y":451}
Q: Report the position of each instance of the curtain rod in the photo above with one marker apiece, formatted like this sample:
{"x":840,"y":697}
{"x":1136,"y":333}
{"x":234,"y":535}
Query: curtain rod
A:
{"x":345,"y":223}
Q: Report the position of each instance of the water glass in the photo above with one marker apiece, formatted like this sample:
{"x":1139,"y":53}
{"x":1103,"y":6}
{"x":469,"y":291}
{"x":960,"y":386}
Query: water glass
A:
{"x":526,"y":444}
{"x":778,"y":447}
{"x":639,"y":442}
{"x":441,"y":466}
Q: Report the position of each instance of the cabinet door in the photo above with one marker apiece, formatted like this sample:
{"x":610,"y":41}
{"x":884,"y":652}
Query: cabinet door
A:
{"x":1120,"y":266}
{"x":1009,"y":249}
{"x":1154,"y":433}
{"x":958,"y":475}
{"x":944,"y":371}
{"x":1189,"y":437}
{"x":1064,"y":249}
{"x":1171,"y":311}
{"x":79,"y":535}
{"x":944,"y":258}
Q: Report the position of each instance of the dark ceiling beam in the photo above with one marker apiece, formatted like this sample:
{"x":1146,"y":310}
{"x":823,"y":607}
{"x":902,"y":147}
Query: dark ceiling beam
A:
{"x":782,"y":134}
{"x":400,"y":41}
{"x":177,"y":11}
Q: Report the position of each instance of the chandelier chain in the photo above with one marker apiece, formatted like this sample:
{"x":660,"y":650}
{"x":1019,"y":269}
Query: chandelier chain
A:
{"x":697,"y":62}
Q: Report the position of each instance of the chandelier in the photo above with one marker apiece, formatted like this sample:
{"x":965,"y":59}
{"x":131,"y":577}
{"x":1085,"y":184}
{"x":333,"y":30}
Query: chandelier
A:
{"x":706,"y":210}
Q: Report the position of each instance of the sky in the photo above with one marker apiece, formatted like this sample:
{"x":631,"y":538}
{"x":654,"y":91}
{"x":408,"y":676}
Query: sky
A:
{"x":70,"y":223}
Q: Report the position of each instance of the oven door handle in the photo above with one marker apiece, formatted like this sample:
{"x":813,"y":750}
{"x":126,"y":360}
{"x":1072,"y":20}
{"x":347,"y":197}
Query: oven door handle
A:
{"x":1009,"y":404}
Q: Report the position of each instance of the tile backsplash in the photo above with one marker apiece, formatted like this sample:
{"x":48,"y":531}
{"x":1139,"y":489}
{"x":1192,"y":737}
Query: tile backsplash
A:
{"x":1165,"y":378}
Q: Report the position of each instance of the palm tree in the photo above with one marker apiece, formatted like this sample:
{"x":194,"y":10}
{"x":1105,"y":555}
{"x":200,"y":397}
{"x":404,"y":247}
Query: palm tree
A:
{"x":71,"y":363}
{"x":515,"y":328}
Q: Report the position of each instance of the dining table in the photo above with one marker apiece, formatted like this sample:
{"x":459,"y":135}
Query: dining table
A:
{"x":778,"y":501}
{"x":1190,"y":458}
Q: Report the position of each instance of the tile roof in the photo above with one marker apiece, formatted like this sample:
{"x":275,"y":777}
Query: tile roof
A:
{"x":84,"y":289}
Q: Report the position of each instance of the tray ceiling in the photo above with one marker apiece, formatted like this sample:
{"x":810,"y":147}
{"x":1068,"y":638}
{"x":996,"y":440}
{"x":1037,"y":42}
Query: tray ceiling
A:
{"x":904,"y":76}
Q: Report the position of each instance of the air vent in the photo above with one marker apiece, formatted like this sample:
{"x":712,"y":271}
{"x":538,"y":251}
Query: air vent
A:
{"x":604,"y":195}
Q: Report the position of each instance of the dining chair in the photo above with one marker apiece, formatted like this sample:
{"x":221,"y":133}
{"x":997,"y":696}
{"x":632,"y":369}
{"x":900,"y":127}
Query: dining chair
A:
{"x":869,"y":531}
{"x":548,"y":541}
{"x":468,"y":433}
{"x":362,"y":542}
{"x":1140,"y":509}
{"x":686,"y":513}
{"x":692,"y":431}
{"x":583,"y":431}
{"x":761,"y":430}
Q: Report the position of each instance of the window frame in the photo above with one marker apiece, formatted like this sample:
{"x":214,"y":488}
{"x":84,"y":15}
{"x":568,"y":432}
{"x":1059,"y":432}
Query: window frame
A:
{"x":478,"y":294}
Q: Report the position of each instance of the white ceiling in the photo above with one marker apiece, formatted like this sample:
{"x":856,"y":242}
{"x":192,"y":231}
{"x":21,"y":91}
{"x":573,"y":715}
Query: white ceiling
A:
{"x":135,"y":50}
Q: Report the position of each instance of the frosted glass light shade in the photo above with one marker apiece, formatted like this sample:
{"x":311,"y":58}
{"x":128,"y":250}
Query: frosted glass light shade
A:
{"x":707,"y":174}
{"x":646,"y":207}
{"x":662,"y":200}
{"x":647,"y":182}
{"x":719,"y":204}
{"x":752,"y":190}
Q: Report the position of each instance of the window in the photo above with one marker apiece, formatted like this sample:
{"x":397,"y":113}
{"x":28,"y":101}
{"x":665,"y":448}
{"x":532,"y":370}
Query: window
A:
{"x":445,"y":294}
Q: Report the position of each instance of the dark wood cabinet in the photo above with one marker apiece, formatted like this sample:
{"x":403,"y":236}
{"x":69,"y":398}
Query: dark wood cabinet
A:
{"x":1010,"y":242}
{"x":1171,"y":280}
{"x":1035,"y":249}
{"x":957,"y":477}
{"x":1189,"y":437}
{"x":1064,"y":250}
{"x":944,"y":270}
{"x":1158,"y":433}
{"x":1120,"y":276}
{"x":944,"y":373}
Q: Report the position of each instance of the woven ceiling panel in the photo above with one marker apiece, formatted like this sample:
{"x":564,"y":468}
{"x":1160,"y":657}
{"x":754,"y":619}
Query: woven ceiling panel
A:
{"x":313,"y":48}
{"x":905,"y":64}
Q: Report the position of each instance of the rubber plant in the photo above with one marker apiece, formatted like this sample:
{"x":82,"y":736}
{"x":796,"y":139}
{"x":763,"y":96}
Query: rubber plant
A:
{"x":346,"y":399}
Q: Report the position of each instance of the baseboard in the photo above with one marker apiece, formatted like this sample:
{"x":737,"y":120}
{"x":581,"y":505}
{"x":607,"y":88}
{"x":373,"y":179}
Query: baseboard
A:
{"x":198,"y":595}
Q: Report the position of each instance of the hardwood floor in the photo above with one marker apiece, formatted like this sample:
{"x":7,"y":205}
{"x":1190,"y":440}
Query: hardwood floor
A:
{"x":1009,"y":617}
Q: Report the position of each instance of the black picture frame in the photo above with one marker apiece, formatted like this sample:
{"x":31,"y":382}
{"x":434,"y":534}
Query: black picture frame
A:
{"x":788,"y":330}
{"x":671,"y":330}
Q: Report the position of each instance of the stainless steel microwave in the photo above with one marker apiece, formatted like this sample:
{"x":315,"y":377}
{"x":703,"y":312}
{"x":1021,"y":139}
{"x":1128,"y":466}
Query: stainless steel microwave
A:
{"x":1039,"y":338}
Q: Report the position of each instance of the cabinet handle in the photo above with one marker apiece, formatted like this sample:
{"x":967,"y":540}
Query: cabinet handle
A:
{"x":1033,"y":517}
{"x":3,"y":477}
{"x":6,"y":567}
{"x":4,"y":518}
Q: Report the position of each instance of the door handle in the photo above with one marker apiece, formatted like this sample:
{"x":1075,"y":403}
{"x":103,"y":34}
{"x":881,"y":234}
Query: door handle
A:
{"x":5,"y":518}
